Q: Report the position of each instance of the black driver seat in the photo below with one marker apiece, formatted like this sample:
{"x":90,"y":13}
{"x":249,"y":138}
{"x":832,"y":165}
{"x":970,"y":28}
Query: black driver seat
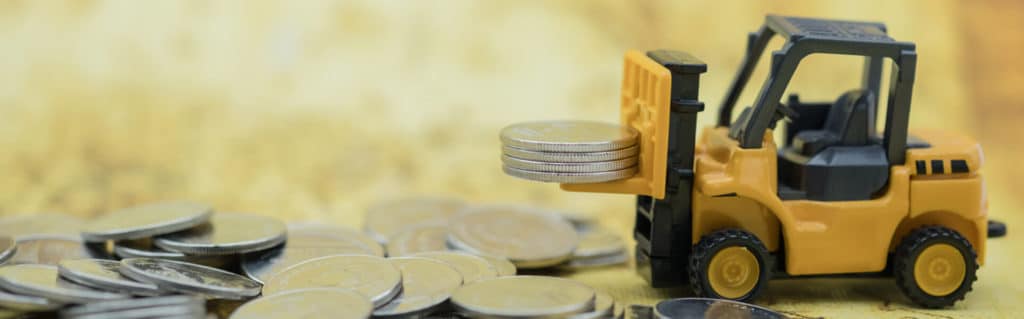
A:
{"x":846,"y":125}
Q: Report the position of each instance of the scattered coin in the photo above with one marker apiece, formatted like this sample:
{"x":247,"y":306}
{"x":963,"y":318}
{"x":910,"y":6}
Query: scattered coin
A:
{"x":7,"y":248}
{"x":603,"y":307}
{"x":111,"y":306}
{"x":575,"y":167}
{"x":310,"y":303}
{"x":502,"y":265}
{"x":570,"y":178}
{"x":417,"y":240}
{"x":388,"y":218}
{"x":42,"y":223}
{"x":190,"y":311}
{"x":226,"y":234}
{"x":524,"y":297}
{"x":104,"y":275}
{"x":472,"y":268}
{"x":693,"y":308}
{"x":50,"y":249}
{"x":189,"y":278}
{"x":598,"y":241}
{"x":599,"y":261}
{"x":568,"y":136}
{"x":570,"y":157}
{"x":426,"y":284}
{"x":43,"y":281}
{"x":305,"y":243}
{"x":26,"y":303}
{"x":144,"y":249}
{"x":146,"y":221}
{"x":528,"y":237}
{"x":371,"y":276}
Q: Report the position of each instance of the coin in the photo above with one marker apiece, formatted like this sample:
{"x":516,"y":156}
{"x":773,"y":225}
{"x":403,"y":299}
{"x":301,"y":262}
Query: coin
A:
{"x":528,"y":237}
{"x":309,"y":303}
{"x":49,"y":249}
{"x":419,"y":239}
{"x":599,"y":261}
{"x":146,"y":221}
{"x":426,"y":283}
{"x":686,"y":308}
{"x":226,"y":234}
{"x":524,"y":297}
{"x":43,"y":281}
{"x":584,"y":167}
{"x":502,"y":265}
{"x":568,"y":136}
{"x":371,"y":276}
{"x":102,"y":307}
{"x":598,"y":241}
{"x":104,"y":275}
{"x":473,"y":268}
{"x":603,"y":307}
{"x":385,"y":219}
{"x":570,"y":157}
{"x":42,"y":223}
{"x":7,"y":248}
{"x":189,"y":278}
{"x":191,"y":311}
{"x":143,"y":249}
{"x":26,"y":303}
{"x":570,"y":178}
{"x":305,"y":243}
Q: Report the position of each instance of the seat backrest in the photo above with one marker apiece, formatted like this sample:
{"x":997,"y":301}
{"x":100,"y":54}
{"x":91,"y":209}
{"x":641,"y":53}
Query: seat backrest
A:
{"x":848,"y":119}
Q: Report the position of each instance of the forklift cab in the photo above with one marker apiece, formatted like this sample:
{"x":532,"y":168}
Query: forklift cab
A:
{"x":830,"y":151}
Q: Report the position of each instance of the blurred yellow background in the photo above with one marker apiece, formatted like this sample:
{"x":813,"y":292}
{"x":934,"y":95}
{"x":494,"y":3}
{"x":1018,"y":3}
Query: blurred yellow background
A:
{"x":312,"y":110}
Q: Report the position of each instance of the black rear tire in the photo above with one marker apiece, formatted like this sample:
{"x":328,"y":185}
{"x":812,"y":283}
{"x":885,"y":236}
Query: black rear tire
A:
{"x":906,"y":258}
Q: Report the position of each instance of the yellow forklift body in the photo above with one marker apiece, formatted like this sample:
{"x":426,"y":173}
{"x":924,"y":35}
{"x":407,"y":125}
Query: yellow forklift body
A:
{"x":644,"y":106}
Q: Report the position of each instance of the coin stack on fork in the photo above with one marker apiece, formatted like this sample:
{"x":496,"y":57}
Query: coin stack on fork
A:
{"x":570,"y":152}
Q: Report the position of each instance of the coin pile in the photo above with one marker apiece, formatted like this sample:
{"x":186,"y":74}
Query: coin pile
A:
{"x":571,"y":152}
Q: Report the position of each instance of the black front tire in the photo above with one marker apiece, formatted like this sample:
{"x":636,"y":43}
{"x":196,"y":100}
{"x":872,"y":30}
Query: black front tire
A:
{"x":911,"y":248}
{"x":706,"y":249}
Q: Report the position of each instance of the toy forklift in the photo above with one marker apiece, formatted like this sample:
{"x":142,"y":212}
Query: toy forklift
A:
{"x":732,"y":209}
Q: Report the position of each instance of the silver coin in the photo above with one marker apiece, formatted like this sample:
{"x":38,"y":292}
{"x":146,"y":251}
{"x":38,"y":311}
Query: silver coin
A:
{"x":385,"y":219}
{"x":568,"y":136}
{"x":570,"y":178}
{"x":128,"y":304}
{"x":226,"y":234}
{"x":310,"y":303}
{"x":417,"y":240}
{"x":144,"y":249}
{"x":472,"y":268}
{"x":197,"y":310}
{"x":598,"y":241}
{"x":104,"y":275}
{"x":146,"y":221}
{"x":43,"y":281}
{"x":7,"y":248}
{"x":528,"y":237}
{"x":501,"y":264}
{"x":571,"y":157}
{"x":586,"y":167}
{"x":524,"y":297}
{"x":598,"y":261}
{"x":26,"y":303}
{"x":42,"y":223}
{"x":604,"y":307}
{"x":305,"y":243}
{"x":190,"y":278}
{"x":50,"y":250}
{"x":694,"y":308}
{"x":371,"y":276}
{"x":426,"y":284}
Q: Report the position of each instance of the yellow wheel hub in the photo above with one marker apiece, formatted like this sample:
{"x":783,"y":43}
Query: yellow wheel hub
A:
{"x":939,"y":270}
{"x":733,"y":272}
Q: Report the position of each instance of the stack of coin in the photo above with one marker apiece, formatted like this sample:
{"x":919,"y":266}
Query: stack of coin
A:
{"x":570,"y":152}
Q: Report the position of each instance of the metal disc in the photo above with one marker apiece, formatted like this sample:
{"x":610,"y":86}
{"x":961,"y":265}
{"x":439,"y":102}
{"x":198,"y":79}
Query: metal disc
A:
{"x":102,"y":307}
{"x":568,"y":136}
{"x":417,"y":240}
{"x":598,"y":241}
{"x":524,"y":297}
{"x":501,"y":264}
{"x":310,"y":303}
{"x":26,"y":303}
{"x":144,"y":249}
{"x":528,"y":237}
{"x":44,"y":281}
{"x":385,"y":219}
{"x":305,"y":243}
{"x":599,"y":261}
{"x":585,"y":167}
{"x":192,"y":311}
{"x":426,"y":284}
{"x":370,"y":276}
{"x":50,"y":250}
{"x":226,"y":234}
{"x":104,"y":275}
{"x":472,"y":268}
{"x":571,"y":157}
{"x":189,"y":278}
{"x":603,"y":307}
{"x":7,"y":248}
{"x":42,"y":223}
{"x":146,"y":221}
{"x":694,"y":308}
{"x":570,"y":178}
